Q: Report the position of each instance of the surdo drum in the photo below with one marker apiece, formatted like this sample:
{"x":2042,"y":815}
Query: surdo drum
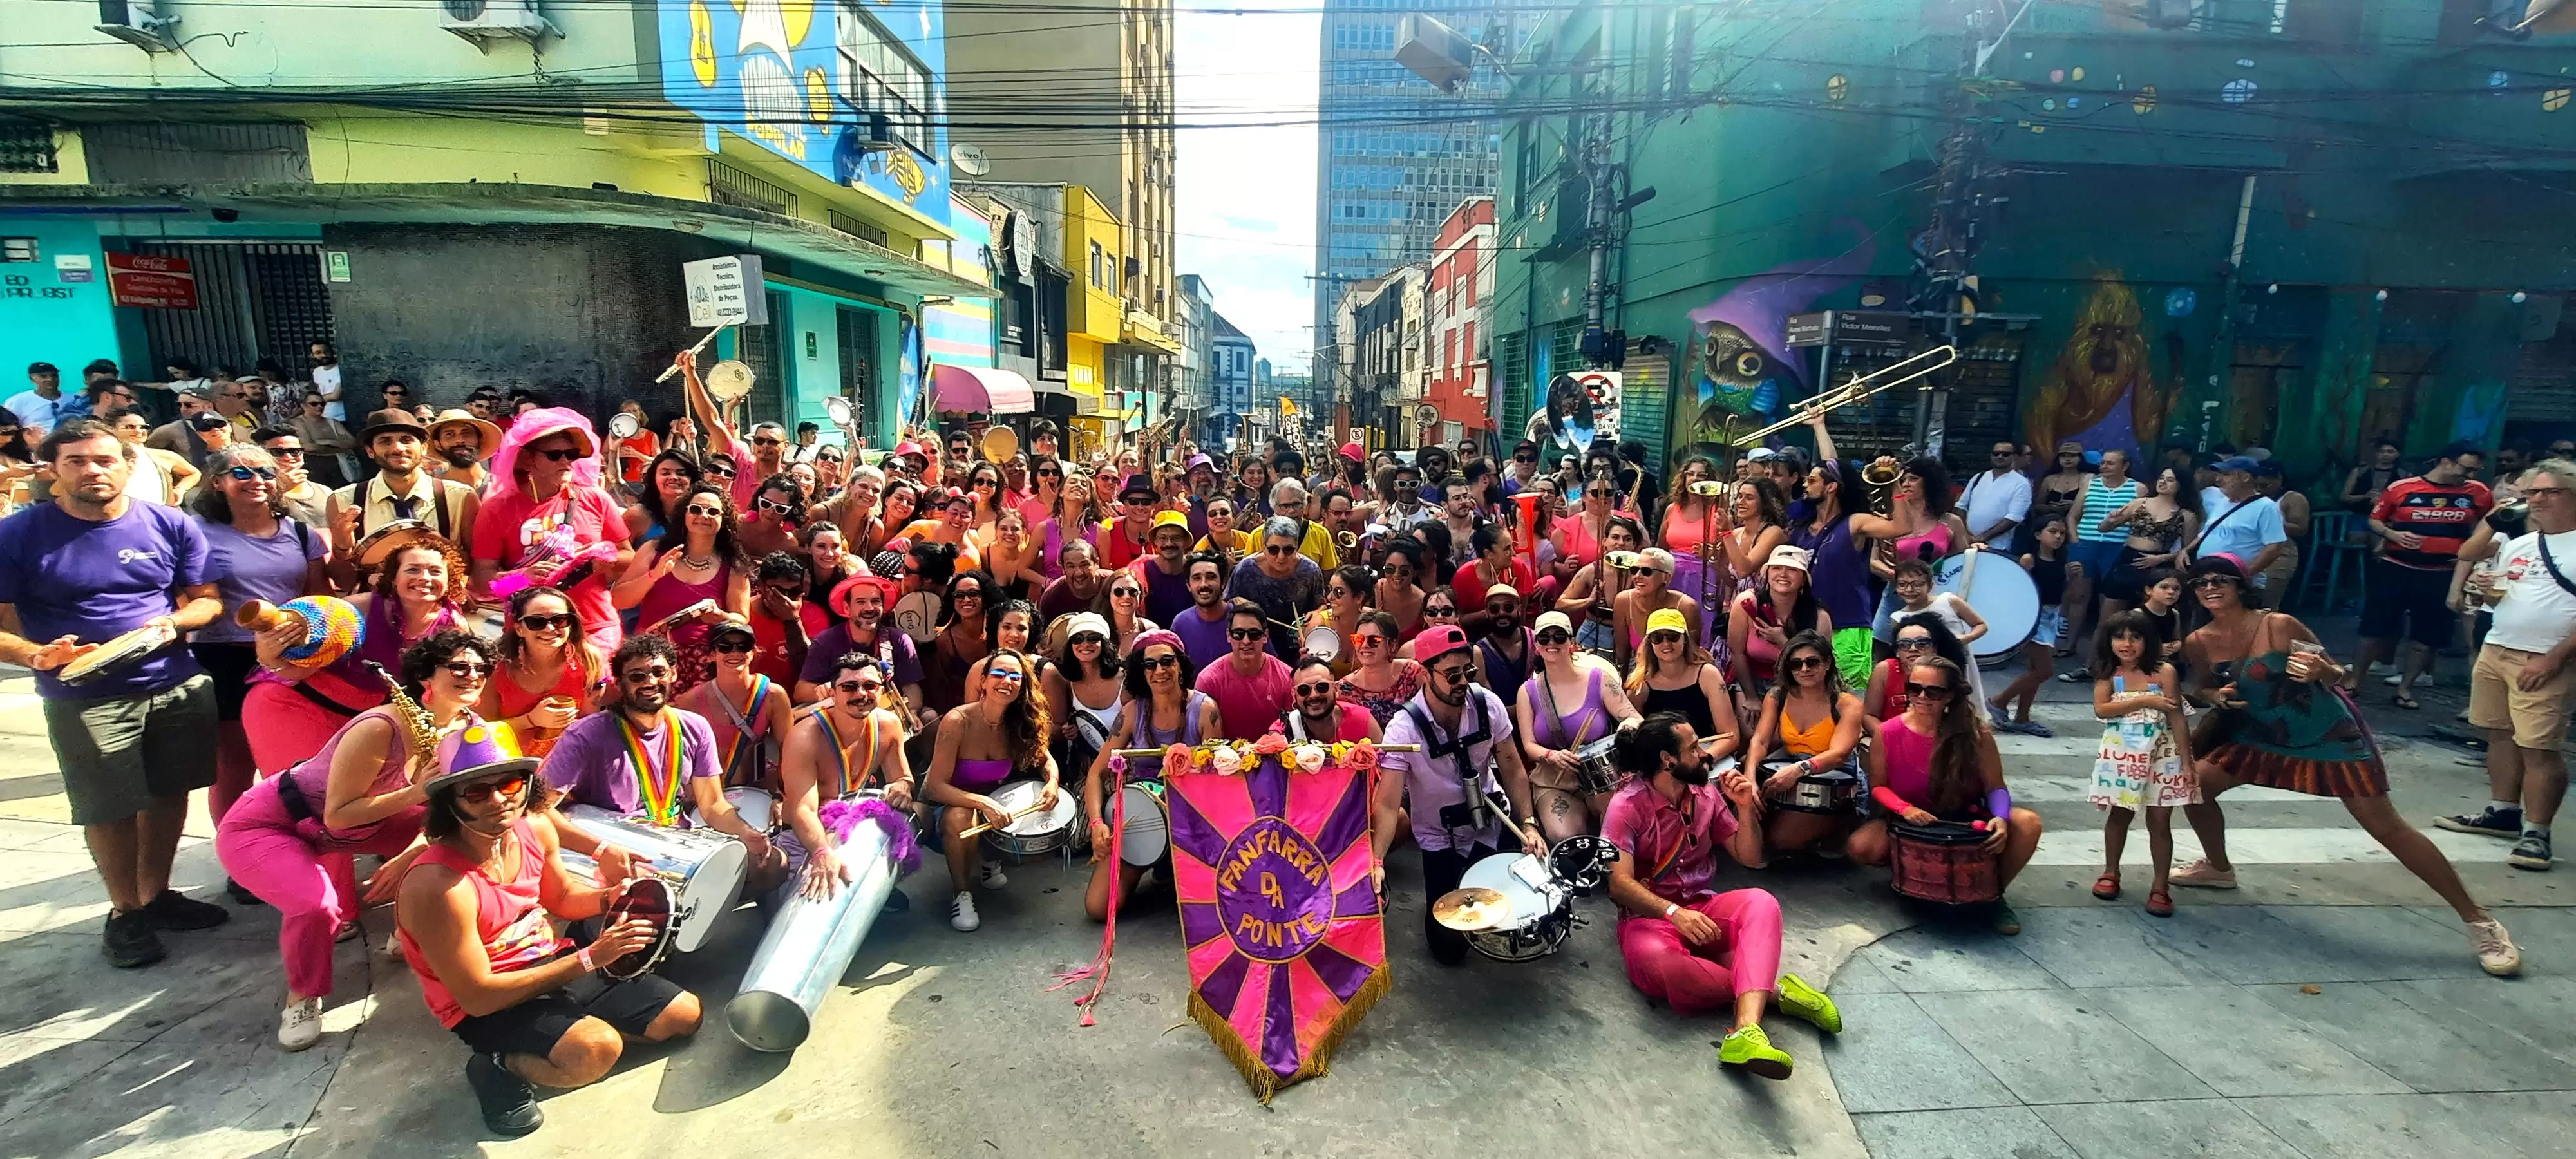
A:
{"x":1943,"y":862}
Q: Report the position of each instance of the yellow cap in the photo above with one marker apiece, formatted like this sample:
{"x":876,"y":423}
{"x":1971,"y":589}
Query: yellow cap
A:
{"x":1171,"y":519}
{"x":1667,"y":620}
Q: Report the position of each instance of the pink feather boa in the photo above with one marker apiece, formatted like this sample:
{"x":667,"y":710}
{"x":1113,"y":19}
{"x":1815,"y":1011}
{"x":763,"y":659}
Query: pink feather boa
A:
{"x":842,"y":818}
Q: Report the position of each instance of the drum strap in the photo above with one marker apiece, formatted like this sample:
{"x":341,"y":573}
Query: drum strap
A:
{"x":661,"y":793}
{"x":1472,"y":731}
{"x":866,"y":765}
{"x":1681,"y":842}
{"x":744,"y":744}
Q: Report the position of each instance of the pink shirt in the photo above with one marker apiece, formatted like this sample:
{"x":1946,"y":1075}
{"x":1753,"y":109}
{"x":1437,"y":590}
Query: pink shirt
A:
{"x":510,"y":523}
{"x":1673,"y":847}
{"x":1354,"y":724}
{"x":1245,"y":705}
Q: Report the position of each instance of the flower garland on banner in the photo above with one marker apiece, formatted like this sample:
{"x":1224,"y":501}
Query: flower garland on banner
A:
{"x":1234,"y":758}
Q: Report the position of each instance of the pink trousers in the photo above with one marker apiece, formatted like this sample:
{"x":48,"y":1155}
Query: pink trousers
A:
{"x":284,"y":726}
{"x":314,"y":889}
{"x":1744,"y":957}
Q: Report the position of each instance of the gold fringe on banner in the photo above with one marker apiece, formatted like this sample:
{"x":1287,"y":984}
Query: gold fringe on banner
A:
{"x":1266,"y":1082}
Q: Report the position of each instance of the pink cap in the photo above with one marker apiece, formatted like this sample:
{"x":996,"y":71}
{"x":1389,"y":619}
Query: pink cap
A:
{"x":1437,"y":641}
{"x":1353,"y":452}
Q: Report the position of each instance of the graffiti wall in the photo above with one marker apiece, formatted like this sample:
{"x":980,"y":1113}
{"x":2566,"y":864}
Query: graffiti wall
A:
{"x":2115,"y":376}
{"x":1740,"y":373}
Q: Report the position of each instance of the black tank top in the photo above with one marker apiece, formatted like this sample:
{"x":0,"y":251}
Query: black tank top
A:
{"x":2049,"y":575}
{"x":1688,"y":700}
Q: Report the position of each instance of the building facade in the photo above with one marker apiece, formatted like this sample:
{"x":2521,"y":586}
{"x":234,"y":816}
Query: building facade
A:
{"x":1071,"y":247}
{"x":1390,"y":160}
{"x":2297,"y":226}
{"x":462,"y":216}
{"x":1385,"y":375}
{"x":1456,"y":297}
{"x":1230,"y":396}
{"x":1191,"y":383}
{"x":1080,"y":94}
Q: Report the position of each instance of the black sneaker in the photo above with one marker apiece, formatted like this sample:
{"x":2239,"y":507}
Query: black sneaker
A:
{"x":177,"y":911}
{"x":897,"y":902}
{"x":509,"y":1102}
{"x":2503,"y":824}
{"x":133,"y":940}
{"x":240,"y":893}
{"x":2532,"y":852}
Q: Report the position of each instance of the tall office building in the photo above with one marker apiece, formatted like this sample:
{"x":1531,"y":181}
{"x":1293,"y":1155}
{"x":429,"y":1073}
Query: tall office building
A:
{"x":1386,"y":172}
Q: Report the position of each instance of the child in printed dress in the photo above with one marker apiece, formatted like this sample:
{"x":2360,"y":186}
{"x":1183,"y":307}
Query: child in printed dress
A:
{"x":2145,"y":762}
{"x":2046,"y":564}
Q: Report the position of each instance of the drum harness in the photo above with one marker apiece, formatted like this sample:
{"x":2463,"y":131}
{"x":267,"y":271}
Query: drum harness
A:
{"x":744,"y":746}
{"x":1473,"y":730}
{"x":401,"y":504}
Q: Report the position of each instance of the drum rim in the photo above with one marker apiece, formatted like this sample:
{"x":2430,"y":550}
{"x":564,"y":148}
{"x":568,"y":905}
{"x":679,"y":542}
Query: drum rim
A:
{"x":664,"y":937}
{"x":732,"y":854}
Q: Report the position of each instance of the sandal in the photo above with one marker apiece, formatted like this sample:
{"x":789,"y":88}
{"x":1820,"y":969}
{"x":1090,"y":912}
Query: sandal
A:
{"x":2107,"y":887}
{"x":2078,"y":676}
{"x":2404,"y":701}
{"x":2160,"y":903}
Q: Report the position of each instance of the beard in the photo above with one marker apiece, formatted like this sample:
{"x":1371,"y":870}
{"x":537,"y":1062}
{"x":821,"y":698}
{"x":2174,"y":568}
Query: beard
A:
{"x":1691,"y":768}
{"x":461,"y":456}
{"x":1506,"y":624}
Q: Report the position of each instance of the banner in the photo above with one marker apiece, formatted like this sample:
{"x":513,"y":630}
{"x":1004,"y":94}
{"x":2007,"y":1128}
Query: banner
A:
{"x":1285,"y":936}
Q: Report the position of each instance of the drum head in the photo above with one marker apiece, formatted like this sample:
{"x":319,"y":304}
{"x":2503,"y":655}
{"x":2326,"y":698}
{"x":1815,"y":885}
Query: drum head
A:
{"x":2001,"y":592}
{"x":647,"y":899}
{"x":623,"y":426}
{"x":383,"y":542}
{"x":729,"y":380}
{"x":1148,"y":833}
{"x":918,"y":615}
{"x":1321,"y":643}
{"x":758,"y":808}
{"x":713,"y":886}
{"x":837,"y":409}
{"x":1523,"y":881}
{"x":128,"y":647}
{"x":1019,"y":797}
{"x":1583,"y":860}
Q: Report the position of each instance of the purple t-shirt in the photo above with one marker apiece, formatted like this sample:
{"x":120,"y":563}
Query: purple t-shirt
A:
{"x":1839,"y":575}
{"x":590,"y":763}
{"x":248,"y":568}
{"x":1202,"y":638}
{"x":1434,"y":780}
{"x":892,"y":648}
{"x":92,"y":581}
{"x":1166,"y":596}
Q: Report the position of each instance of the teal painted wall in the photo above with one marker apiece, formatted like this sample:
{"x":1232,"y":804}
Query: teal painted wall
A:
{"x":42,"y":317}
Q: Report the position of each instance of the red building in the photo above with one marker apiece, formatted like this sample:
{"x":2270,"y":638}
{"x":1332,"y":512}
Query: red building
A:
{"x":1457,"y":296}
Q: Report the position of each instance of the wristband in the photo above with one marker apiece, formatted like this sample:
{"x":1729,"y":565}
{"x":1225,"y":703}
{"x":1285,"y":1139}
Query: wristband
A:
{"x":1671,"y":908}
{"x":583,"y":956}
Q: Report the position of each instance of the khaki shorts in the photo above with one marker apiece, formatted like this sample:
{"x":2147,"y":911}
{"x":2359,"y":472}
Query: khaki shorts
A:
{"x":120,"y":754}
{"x":2497,"y":701}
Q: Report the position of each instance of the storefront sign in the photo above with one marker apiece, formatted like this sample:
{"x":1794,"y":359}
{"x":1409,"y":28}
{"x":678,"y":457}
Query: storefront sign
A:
{"x":154,"y":283}
{"x":335,"y":265}
{"x":726,"y":291}
{"x":74,"y":269}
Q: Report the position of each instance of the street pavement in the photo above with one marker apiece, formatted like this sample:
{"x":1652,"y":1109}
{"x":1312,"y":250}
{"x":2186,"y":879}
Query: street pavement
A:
{"x":2100,"y":1033}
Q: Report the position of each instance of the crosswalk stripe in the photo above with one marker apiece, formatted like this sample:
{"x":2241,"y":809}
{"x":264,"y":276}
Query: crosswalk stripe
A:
{"x":2249,"y":846}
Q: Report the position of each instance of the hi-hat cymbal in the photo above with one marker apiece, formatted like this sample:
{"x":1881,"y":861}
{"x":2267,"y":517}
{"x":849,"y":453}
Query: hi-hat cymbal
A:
{"x":1470,"y":910}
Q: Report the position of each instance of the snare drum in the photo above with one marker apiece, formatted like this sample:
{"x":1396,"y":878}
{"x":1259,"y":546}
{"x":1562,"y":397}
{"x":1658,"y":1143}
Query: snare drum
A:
{"x":1040,"y":830}
{"x":1147,"y":834}
{"x":1828,"y":791}
{"x":1943,"y":862}
{"x":1596,"y":768}
{"x":1539,"y":907}
{"x":758,"y":807}
{"x":704,"y":869}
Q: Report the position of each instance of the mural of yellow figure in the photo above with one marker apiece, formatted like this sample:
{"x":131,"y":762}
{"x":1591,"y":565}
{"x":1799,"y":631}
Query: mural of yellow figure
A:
{"x":2103,"y":362}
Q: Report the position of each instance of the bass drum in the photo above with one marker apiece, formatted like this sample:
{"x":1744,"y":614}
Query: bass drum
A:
{"x":1996,"y":586}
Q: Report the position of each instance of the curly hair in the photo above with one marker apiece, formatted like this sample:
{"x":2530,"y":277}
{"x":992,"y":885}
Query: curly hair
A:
{"x":1134,"y":667}
{"x":427,"y":655}
{"x":447,"y":554}
{"x":675,"y":531}
{"x":1025,"y":723}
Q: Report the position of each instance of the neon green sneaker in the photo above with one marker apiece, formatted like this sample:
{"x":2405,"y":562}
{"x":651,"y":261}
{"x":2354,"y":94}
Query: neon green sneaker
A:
{"x":1802,"y":1001}
{"x":1751,"y":1049}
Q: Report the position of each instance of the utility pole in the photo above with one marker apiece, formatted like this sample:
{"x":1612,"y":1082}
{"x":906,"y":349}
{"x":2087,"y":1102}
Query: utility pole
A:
{"x":1599,"y":190}
{"x":1959,"y":203}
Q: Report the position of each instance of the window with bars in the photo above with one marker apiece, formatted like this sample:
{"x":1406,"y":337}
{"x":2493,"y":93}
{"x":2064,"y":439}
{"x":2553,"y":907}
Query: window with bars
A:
{"x":727,"y":185}
{"x":27,"y":148}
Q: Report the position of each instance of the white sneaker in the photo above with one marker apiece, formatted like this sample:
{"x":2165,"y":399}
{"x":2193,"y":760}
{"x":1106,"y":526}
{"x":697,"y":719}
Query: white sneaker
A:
{"x":300,"y":1025}
{"x":993,"y":877}
{"x":961,"y":913}
{"x":2497,"y":954}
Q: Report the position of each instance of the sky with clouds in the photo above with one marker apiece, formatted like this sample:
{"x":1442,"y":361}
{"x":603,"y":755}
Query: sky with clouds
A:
{"x":1247,"y":195}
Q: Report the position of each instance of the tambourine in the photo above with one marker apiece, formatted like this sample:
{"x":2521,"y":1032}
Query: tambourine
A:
{"x":1322,"y":643}
{"x":623,"y":426}
{"x":1000,"y":443}
{"x":663,"y":626}
{"x":729,"y":380}
{"x":1622,"y":560}
{"x":381,"y":544}
{"x":837,"y":409}
{"x":124,"y":649}
{"x":1707,"y":488}
{"x":647,"y":898}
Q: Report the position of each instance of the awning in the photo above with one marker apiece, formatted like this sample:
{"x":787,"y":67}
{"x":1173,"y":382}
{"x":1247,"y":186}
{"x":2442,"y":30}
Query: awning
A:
{"x":980,"y":388}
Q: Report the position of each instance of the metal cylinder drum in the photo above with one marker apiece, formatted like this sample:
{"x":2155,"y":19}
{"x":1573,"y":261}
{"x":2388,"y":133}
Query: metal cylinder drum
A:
{"x":808,"y":946}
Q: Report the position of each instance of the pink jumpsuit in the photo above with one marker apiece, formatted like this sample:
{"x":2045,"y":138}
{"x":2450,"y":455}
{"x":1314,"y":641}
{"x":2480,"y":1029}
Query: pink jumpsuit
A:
{"x":1674,"y":852}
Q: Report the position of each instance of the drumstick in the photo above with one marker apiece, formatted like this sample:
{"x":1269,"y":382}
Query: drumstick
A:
{"x":981,"y":829}
{"x":674,"y":368}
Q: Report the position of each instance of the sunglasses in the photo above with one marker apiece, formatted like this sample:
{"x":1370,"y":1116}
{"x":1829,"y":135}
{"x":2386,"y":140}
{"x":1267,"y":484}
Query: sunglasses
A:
{"x":1246,"y":633}
{"x":1553,"y":637}
{"x":1454,"y":674}
{"x":865,"y":686}
{"x":731,"y":646}
{"x":1524,"y":458}
{"x":1927,"y":691}
{"x":765,"y":441}
{"x":719,"y":471}
{"x":1368,"y":639}
{"x":286,"y":452}
{"x":1094,"y":639}
{"x":834,"y":460}
{"x":1318,"y":688}
{"x":503,"y":787}
{"x":1279,"y":549}
{"x":467,"y":669}
{"x":1806,"y":663}
{"x":2210,"y":581}
{"x":646,"y":676}
{"x":1441,"y":610}
{"x":1905,"y":642}
{"x":964,"y":594}
{"x":1158,"y":663}
{"x":558,"y":455}
{"x":246,"y":474}
{"x":709,"y":512}
{"x":1124,"y":593}
{"x":772,"y":505}
{"x":1661,"y":638}
{"x":539,"y":622}
{"x":1005,"y":675}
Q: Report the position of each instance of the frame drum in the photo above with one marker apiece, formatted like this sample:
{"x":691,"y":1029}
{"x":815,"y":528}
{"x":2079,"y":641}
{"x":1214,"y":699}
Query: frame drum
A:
{"x":2000,"y":591}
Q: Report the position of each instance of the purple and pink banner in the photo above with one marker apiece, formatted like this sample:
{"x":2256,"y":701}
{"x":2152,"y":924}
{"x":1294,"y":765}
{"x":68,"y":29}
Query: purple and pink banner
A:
{"x":1285,"y":935}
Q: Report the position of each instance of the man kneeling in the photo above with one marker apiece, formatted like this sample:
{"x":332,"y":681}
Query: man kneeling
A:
{"x":1684,"y":944}
{"x":473,"y":917}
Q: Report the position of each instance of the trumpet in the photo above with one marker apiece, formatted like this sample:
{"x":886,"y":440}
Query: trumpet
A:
{"x":1859,"y":388}
{"x":1345,"y":540}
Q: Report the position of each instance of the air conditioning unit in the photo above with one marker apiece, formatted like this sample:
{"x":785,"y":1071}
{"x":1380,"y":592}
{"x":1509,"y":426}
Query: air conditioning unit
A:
{"x":481,"y":21}
{"x":137,"y":22}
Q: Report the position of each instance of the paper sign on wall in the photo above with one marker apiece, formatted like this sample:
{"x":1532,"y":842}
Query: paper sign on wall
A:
{"x":726,"y":291}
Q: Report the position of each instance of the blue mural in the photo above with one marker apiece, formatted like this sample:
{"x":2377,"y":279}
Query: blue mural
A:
{"x":823,"y":86}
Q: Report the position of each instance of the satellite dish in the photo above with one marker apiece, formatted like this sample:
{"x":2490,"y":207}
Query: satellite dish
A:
{"x":970,"y":160}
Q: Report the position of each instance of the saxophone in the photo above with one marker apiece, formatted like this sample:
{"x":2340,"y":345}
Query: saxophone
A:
{"x":420,"y":730}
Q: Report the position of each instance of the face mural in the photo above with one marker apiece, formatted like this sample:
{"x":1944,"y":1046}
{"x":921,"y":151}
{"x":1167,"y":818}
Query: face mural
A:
{"x":2101,"y":390}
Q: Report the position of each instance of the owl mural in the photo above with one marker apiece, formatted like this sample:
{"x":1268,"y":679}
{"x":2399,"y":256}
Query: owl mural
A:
{"x":1741,"y":367}
{"x":1736,"y":376}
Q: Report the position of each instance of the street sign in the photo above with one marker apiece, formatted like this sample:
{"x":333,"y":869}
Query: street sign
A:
{"x":1809,"y":329}
{"x":1872,"y":327}
{"x":71,"y":269}
{"x":155,"y":283}
{"x":335,"y":265}
{"x":726,"y":291}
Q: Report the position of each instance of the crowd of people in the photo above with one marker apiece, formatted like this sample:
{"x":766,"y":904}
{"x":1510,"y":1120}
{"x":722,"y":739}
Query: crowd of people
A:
{"x":562,"y":617}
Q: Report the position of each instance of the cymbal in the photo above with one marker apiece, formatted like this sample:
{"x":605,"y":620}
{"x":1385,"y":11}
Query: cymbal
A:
{"x":1470,"y":910}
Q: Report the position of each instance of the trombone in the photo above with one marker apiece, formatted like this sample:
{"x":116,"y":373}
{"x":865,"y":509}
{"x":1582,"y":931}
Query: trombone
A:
{"x":1859,"y":388}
